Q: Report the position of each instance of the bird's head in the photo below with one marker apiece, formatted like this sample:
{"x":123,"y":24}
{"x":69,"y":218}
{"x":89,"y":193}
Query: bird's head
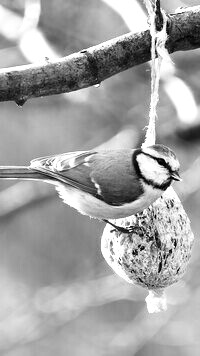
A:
{"x":158,"y":166}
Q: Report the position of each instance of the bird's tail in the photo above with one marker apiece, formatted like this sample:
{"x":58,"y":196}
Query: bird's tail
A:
{"x":20,"y":172}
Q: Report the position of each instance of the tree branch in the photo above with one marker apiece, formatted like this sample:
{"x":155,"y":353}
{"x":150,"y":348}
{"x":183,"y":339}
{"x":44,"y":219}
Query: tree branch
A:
{"x":95,"y":64}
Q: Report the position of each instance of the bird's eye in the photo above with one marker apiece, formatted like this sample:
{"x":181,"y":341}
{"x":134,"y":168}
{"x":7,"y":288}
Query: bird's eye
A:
{"x":161,"y":161}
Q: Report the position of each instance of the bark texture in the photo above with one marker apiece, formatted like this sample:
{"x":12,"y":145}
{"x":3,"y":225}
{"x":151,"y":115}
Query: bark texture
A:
{"x":93,"y":65}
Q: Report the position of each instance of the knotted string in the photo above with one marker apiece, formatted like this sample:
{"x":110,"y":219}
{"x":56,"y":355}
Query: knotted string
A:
{"x":158,"y":40}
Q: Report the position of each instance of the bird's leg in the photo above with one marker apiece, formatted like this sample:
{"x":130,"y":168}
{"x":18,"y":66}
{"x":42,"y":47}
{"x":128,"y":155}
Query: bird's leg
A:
{"x":121,"y":229}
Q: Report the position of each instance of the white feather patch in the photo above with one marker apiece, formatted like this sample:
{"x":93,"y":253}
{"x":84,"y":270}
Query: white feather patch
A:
{"x":35,"y":164}
{"x":97,"y":186}
{"x":152,"y":170}
{"x":57,"y":164}
{"x":71,"y":162}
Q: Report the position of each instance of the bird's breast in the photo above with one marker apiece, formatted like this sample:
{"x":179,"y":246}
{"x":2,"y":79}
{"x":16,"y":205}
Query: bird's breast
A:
{"x":87,"y":204}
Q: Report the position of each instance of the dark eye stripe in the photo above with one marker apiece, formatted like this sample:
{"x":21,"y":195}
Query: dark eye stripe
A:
{"x":161,"y":161}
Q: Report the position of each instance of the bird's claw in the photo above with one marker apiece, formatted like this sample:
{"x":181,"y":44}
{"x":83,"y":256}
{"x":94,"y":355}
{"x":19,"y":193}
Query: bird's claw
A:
{"x":124,"y":230}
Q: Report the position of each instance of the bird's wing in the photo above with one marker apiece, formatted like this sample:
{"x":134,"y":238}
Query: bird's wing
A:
{"x":62,"y":162}
{"x":71,"y":168}
{"x":107,"y":175}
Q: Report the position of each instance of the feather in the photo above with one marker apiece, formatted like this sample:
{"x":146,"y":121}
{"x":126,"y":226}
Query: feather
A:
{"x":107,"y":175}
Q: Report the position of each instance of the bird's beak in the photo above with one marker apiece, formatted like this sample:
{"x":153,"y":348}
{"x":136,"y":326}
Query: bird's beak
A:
{"x":176,"y":176}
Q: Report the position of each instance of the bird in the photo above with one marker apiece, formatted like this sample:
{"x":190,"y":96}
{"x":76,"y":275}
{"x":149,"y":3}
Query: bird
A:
{"x":105,"y":184}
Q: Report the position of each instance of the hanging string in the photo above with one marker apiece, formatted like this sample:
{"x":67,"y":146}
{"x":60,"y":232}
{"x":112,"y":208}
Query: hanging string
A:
{"x":158,"y":40}
{"x":156,"y":300}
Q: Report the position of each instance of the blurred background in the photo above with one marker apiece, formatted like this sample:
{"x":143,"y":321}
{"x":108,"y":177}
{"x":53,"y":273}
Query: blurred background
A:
{"x":58,"y":295}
